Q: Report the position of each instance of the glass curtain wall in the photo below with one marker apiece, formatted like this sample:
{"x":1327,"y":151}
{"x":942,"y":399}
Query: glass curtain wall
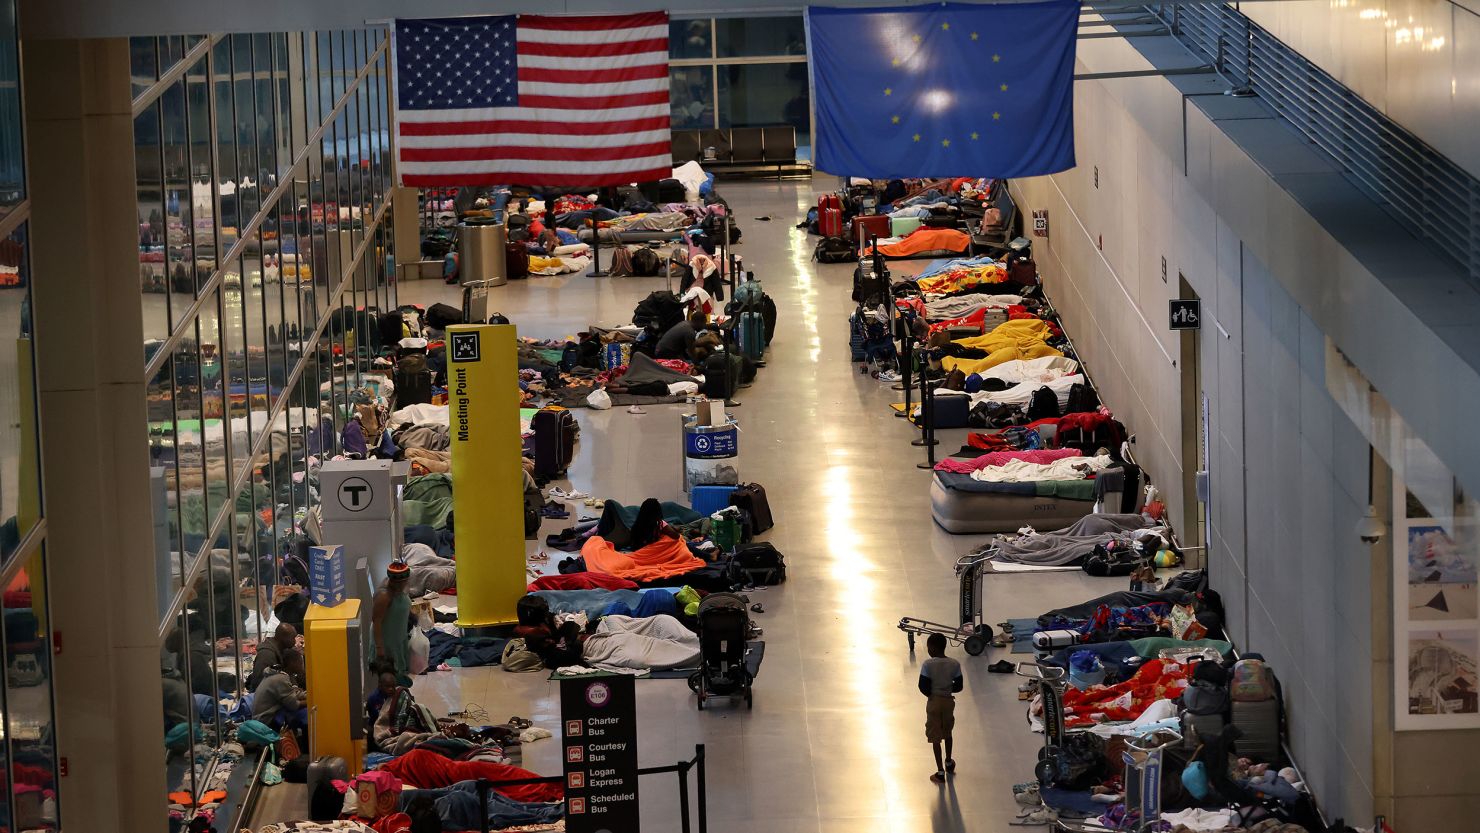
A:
{"x":741,"y":72}
{"x":28,"y":793}
{"x":264,"y":168}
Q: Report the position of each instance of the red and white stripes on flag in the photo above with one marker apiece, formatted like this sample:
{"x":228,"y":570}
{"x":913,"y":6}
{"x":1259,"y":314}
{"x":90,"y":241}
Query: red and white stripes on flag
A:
{"x":592,"y":105}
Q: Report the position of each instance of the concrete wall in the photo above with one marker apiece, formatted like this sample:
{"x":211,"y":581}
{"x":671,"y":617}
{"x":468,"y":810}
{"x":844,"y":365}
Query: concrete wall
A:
{"x":1285,"y":254}
{"x":1289,"y":471}
{"x":1418,"y":61}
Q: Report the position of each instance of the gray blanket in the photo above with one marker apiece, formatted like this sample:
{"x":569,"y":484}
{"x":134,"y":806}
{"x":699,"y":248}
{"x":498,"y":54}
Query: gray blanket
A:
{"x":1066,"y":546}
{"x":644,"y":368}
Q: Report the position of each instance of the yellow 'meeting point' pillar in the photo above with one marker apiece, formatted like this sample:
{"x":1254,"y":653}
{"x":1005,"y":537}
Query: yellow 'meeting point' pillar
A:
{"x":487,"y":476}
{"x":334,"y":656}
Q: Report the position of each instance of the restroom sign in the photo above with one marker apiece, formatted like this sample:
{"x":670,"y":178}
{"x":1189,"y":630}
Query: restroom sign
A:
{"x":1185,"y":315}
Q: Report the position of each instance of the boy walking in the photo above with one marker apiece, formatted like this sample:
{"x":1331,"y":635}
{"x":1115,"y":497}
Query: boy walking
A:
{"x":940,"y":680}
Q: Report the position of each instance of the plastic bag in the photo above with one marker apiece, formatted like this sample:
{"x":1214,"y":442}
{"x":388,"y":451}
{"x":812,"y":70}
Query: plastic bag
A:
{"x":421,"y":651}
{"x":600,"y":400}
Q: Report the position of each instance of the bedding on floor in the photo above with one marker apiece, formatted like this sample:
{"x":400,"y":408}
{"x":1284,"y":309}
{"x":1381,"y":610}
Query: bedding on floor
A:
{"x":1069,"y":545}
{"x":663,"y":558}
{"x":629,"y":643}
{"x":428,"y":770}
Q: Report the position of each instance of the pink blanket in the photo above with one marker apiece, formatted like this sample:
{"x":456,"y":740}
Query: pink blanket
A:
{"x":997,"y":458}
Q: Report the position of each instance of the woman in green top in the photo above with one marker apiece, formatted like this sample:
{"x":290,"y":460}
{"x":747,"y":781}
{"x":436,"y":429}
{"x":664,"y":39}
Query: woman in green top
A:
{"x":392,"y":617}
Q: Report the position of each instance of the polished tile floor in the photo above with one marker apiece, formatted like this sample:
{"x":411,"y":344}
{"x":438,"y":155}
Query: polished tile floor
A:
{"x":836,"y":739}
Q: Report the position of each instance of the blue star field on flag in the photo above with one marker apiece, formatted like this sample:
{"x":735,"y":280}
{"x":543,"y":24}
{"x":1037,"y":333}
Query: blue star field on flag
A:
{"x":457,"y":63}
{"x":951,"y":89}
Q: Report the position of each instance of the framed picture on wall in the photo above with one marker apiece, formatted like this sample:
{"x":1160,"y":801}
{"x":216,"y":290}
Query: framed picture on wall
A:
{"x":1436,"y":605}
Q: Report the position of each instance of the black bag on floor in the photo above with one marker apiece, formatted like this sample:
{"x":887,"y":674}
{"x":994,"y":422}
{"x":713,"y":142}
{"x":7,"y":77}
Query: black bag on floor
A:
{"x":413,"y":387}
{"x":750,"y":499}
{"x":1103,"y":562}
{"x":670,"y":190}
{"x":442,"y":316}
{"x":1044,"y":405}
{"x":516,"y":260}
{"x":1082,"y":399}
{"x":759,"y":564}
{"x":768,"y":315}
{"x":554,"y":441}
{"x":721,"y":374}
{"x":645,"y":263}
{"x":658,"y":312}
{"x":833,"y":250}
{"x":325,"y":802}
{"x":533,"y":503}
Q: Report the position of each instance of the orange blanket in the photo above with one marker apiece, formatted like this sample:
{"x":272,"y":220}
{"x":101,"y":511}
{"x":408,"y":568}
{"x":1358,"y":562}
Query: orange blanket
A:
{"x":660,"y":559}
{"x":926,"y":239}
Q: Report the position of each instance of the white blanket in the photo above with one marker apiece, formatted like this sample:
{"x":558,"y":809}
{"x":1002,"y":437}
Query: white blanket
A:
{"x":1021,"y":471}
{"x":1040,"y":370}
{"x":421,"y":415}
{"x":1022,"y":393}
{"x":656,"y":642}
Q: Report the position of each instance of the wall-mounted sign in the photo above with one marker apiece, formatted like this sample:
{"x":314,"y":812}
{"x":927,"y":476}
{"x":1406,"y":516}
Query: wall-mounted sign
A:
{"x":1185,"y":314}
{"x":1040,"y":222}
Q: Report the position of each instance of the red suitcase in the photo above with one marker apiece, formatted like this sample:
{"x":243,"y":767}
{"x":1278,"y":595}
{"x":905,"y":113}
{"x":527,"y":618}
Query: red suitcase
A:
{"x":830,"y":222}
{"x":829,"y":201}
{"x":869,"y":226}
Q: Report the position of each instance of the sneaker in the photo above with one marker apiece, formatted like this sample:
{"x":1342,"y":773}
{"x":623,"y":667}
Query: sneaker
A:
{"x":888,"y":376}
{"x":636,"y":409}
{"x":576,"y":494}
{"x":1029,"y":796}
{"x":557,"y":493}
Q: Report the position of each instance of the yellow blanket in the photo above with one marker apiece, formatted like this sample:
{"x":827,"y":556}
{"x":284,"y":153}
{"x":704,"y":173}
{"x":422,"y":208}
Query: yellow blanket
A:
{"x":1019,"y":339}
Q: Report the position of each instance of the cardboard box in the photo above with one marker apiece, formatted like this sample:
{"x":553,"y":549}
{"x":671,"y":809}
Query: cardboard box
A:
{"x":326,"y":575}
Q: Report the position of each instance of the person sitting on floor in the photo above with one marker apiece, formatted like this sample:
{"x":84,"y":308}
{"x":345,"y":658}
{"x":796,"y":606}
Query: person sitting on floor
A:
{"x":384,"y":691}
{"x":270,"y":653}
{"x":679,"y":340}
{"x":280,"y":700}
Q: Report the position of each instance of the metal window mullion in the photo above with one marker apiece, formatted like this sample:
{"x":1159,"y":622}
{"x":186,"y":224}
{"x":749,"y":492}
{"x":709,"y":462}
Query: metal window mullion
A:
{"x":251,"y":225}
{"x":163,"y":80}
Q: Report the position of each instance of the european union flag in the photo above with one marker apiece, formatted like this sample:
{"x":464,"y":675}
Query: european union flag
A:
{"x":951,"y":89}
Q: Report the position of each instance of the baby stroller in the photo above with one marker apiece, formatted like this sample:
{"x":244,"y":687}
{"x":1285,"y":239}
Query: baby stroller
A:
{"x":728,"y":664}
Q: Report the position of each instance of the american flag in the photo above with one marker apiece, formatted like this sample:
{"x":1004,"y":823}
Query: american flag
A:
{"x":532,"y":100}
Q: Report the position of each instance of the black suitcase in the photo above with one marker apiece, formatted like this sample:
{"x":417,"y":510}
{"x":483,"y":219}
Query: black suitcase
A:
{"x":413,"y":388}
{"x":750,"y":498}
{"x":516,"y":260}
{"x":759,"y":564}
{"x":554,"y":441}
{"x":442,"y":316}
{"x":721,"y":375}
{"x":324,"y":801}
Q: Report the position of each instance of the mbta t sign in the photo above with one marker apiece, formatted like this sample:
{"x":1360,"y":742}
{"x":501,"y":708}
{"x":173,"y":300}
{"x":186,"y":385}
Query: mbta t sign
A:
{"x":1185,"y":314}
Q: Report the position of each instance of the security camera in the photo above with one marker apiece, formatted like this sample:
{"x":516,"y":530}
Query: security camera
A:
{"x":1370,"y":528}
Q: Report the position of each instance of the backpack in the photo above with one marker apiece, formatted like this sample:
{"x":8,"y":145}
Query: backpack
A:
{"x":759,"y":564}
{"x":1044,"y":404}
{"x":833,"y":250}
{"x":659,"y":311}
{"x":1021,"y":270}
{"x":1252,"y":682}
{"x":621,"y":266}
{"x":645,"y":263}
{"x":1082,"y":399}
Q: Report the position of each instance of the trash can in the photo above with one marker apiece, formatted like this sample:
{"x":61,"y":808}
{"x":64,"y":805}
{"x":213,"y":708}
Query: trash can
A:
{"x":710,"y":453}
{"x":481,"y":254}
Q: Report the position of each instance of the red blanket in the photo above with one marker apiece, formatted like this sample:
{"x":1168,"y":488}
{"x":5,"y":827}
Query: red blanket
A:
{"x":427,"y":769}
{"x":1156,"y":680}
{"x":581,"y":581}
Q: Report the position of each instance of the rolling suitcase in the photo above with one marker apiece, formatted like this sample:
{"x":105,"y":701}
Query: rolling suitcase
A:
{"x":868,"y":226}
{"x":554,"y":441}
{"x":413,"y":387}
{"x":721,"y":376}
{"x":752,"y":330}
{"x":830,"y":222}
{"x":516,"y":260}
{"x":750,"y":498}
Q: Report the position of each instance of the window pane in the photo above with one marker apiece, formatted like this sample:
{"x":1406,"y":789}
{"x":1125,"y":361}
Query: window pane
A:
{"x":691,"y":97}
{"x":190,"y":437}
{"x":229,"y":218}
{"x":177,"y":197}
{"x":12,"y":162}
{"x":171,"y":444}
{"x":202,"y":185}
{"x":180,"y":715}
{"x":152,"y":280}
{"x":249,"y":168}
{"x":689,"y":39}
{"x":753,"y":37}
{"x":143,"y":63}
{"x":762,"y":95}
{"x":254,"y":291}
{"x":266,"y":128}
{"x":215,"y":425}
{"x":28,"y":701}
{"x":20,"y":502}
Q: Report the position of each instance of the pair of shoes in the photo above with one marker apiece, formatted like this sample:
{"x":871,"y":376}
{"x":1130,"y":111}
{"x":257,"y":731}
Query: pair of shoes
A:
{"x":540,"y":556}
{"x":555,"y":511}
{"x":577,"y":494}
{"x":888,"y":376}
{"x":1035,"y":818}
{"x":556,"y":493}
{"x":1028,"y":795}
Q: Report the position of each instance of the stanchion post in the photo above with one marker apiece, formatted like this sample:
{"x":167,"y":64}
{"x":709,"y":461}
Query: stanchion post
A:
{"x":683,"y":798}
{"x":924,"y":413}
{"x":906,"y":363}
{"x":596,"y":271}
{"x":703,"y":794}
{"x":483,"y":822}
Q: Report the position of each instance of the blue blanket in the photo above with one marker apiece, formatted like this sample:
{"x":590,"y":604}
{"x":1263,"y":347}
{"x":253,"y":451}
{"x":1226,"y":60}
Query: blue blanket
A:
{"x":594,"y":603}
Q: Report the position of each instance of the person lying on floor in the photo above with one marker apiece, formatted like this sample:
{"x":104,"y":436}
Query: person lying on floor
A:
{"x":557,"y":644}
{"x":280,"y":700}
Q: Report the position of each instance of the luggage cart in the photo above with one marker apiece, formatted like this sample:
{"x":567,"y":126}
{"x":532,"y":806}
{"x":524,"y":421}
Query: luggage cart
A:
{"x":973,"y":633}
{"x":1143,"y":770}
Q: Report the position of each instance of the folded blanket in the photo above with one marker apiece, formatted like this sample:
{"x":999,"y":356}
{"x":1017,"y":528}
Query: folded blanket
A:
{"x":430,"y":770}
{"x":660,"y":559}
